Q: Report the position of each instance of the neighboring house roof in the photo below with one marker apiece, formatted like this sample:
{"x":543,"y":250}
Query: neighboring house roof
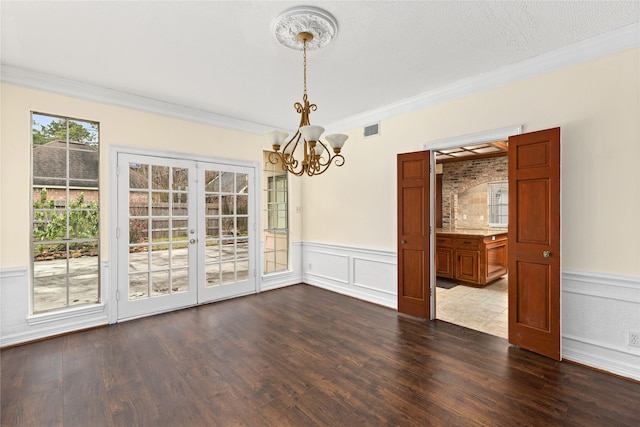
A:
{"x":50,"y":164}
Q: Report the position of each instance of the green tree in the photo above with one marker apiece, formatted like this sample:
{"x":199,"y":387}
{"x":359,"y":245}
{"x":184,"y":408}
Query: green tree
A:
{"x":57,"y":130}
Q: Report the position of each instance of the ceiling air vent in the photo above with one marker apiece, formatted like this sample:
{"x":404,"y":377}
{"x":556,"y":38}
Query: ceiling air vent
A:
{"x":372,"y":130}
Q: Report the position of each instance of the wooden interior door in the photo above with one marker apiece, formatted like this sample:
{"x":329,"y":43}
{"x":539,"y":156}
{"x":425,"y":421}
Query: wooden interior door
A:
{"x":414,"y":255}
{"x":534,"y":242}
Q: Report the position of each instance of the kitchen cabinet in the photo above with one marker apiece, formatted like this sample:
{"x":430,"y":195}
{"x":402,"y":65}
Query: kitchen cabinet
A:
{"x":444,"y":257}
{"x":475,"y":257}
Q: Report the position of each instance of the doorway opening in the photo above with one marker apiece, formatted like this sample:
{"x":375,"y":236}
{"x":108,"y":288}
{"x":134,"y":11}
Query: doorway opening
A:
{"x":471,"y":231}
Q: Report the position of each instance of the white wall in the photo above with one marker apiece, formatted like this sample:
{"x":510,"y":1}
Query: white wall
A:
{"x":597,"y":105}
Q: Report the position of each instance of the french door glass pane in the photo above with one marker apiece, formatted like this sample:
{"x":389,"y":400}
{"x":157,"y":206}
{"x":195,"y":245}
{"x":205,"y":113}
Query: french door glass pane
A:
{"x":158,"y":231}
{"x":227,"y":227}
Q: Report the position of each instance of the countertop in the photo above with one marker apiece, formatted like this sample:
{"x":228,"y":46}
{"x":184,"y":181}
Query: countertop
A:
{"x":472,"y":232}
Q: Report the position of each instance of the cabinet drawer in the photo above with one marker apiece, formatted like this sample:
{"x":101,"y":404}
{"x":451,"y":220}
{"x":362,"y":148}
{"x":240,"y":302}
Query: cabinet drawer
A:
{"x":444,"y":242}
{"x":467,"y":244}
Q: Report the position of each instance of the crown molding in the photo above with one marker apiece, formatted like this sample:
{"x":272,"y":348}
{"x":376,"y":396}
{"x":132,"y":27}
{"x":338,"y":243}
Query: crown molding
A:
{"x":50,"y":83}
{"x":624,"y":38}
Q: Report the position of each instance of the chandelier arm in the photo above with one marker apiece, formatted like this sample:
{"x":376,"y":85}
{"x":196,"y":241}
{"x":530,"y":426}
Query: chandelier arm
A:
{"x":337,"y":159}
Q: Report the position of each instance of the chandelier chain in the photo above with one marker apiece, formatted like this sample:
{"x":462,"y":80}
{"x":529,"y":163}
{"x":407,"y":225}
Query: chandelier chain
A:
{"x":304,"y":64}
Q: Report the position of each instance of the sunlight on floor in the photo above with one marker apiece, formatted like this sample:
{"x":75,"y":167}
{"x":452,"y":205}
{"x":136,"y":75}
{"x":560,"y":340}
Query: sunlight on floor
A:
{"x":481,"y":309}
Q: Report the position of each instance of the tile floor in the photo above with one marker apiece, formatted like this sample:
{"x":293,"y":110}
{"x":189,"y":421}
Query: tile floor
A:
{"x":482,"y":309}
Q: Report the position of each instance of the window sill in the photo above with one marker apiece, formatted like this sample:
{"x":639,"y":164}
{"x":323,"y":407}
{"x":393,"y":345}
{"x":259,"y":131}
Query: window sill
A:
{"x":87,"y":310}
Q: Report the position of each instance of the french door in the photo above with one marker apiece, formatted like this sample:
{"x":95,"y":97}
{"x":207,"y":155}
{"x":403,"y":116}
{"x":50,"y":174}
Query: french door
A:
{"x":185,"y":233}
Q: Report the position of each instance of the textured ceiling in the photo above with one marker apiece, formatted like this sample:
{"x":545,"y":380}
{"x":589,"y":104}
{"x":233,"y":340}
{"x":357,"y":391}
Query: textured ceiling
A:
{"x":220,"y":57}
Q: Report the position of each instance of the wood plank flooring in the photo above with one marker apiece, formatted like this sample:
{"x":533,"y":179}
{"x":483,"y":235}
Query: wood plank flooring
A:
{"x":300,"y":356}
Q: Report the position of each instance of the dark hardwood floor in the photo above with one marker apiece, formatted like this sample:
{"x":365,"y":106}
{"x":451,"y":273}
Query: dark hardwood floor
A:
{"x":300,"y":356}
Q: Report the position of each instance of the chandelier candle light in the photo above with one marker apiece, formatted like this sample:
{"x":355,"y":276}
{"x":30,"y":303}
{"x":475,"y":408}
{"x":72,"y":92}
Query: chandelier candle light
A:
{"x":304,"y":153}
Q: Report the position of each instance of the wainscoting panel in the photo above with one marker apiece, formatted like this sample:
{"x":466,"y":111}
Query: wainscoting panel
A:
{"x":375,"y":275}
{"x":598,"y":312}
{"x":366,"y":274}
{"x":17,"y":326}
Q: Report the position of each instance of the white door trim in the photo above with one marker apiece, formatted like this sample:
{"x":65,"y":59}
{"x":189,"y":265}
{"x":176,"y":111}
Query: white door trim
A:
{"x":114,"y":150}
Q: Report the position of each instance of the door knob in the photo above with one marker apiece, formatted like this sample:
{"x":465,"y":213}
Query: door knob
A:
{"x":404,"y":242}
{"x":546,"y":254}
{"x":192,"y":241}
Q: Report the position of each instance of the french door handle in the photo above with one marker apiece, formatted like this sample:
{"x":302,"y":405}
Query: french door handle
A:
{"x":192,"y":241}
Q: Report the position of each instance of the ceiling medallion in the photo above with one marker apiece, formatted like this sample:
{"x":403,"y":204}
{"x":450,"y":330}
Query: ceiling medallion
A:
{"x":296,"y":20}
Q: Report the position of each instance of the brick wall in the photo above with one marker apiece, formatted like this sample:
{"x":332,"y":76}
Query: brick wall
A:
{"x":464,"y":191}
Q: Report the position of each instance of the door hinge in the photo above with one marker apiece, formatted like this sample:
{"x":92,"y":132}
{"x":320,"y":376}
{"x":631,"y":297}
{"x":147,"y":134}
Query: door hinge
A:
{"x":117,"y":294}
{"x":117,"y":170}
{"x":117,"y":232}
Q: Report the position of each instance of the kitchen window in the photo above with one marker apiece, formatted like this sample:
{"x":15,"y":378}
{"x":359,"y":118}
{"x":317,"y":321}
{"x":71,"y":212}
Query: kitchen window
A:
{"x":498,"y":203}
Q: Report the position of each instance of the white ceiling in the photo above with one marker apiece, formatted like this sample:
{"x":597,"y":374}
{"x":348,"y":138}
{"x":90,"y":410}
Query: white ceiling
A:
{"x":221,"y":58}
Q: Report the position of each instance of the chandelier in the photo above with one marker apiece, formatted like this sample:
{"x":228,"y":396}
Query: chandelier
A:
{"x":304,"y":153}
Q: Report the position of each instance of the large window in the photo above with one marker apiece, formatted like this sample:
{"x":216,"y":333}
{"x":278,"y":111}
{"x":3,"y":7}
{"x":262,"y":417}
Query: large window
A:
{"x":276,"y":233}
{"x":498,"y":195}
{"x":65,"y":216}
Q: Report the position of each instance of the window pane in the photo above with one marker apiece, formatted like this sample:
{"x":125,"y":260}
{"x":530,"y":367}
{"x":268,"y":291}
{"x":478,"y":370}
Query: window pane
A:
{"x":50,"y":161}
{"x":84,"y":132}
{"x":242,"y":272}
{"x":179,"y":280}
{"x":159,"y":257}
{"x":227,"y":182}
{"x":212,"y":181}
{"x":213,"y":228}
{"x":160,"y":283}
{"x":242,"y":226}
{"x":83,"y":165}
{"x":138,"y":203}
{"x":160,"y":177}
{"x":275,"y":213}
{"x":179,"y":255}
{"x":65,"y":215}
{"x":180,"y":179}
{"x":228,"y":207}
{"x":213,"y":275}
{"x":242,"y":183}
{"x":83,"y":274}
{"x":138,"y":175}
{"x":213,"y":204}
{"x":242,"y":205}
{"x":138,"y":231}
{"x":138,"y":286}
{"x":242,"y":249}
{"x":228,"y":272}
